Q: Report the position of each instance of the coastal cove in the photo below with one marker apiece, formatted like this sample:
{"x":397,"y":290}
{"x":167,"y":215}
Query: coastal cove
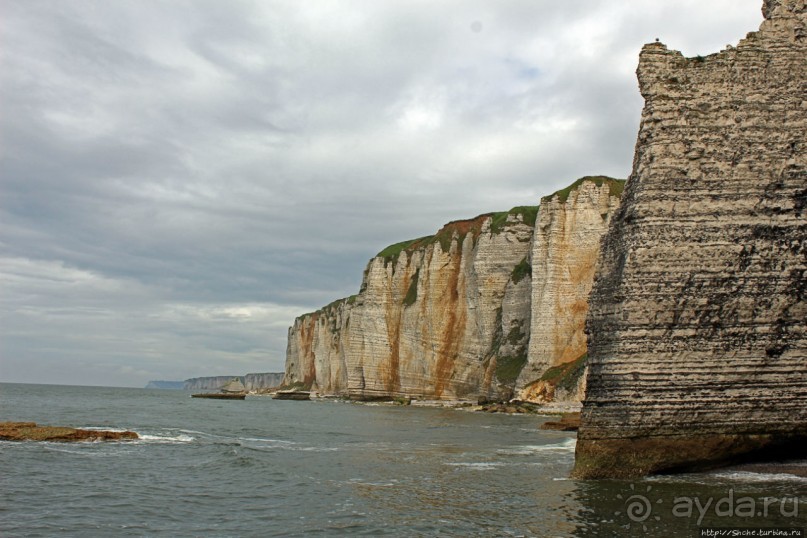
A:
{"x":264,"y":467}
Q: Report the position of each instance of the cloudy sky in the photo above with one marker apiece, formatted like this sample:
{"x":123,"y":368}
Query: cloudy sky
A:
{"x":180,"y":179}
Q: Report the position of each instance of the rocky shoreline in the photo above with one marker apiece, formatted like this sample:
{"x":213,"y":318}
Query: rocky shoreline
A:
{"x":31,"y":431}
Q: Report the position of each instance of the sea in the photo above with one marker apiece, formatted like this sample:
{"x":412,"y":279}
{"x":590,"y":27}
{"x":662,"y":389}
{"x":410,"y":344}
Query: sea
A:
{"x":263,"y":467}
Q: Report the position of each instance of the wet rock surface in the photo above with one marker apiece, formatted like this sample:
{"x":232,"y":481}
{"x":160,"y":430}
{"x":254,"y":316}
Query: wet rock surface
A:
{"x":31,"y":431}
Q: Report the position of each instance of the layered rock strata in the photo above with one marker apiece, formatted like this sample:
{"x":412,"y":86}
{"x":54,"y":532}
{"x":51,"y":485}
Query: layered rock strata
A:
{"x":565,"y":248}
{"x":207,"y":383}
{"x":449,"y":316}
{"x":697,"y":333}
{"x":441,"y":317}
{"x":262,"y":381}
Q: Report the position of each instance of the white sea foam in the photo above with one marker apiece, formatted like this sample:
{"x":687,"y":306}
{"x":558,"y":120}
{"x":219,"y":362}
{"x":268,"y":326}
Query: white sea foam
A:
{"x":363,"y":482}
{"x":313,"y":449}
{"x":527,"y":450}
{"x":710,"y":478}
{"x":279,"y":444}
{"x":181,"y":438}
{"x":102,"y":429}
{"x":271,"y":441}
{"x":477,"y":466}
{"x":748,"y":476}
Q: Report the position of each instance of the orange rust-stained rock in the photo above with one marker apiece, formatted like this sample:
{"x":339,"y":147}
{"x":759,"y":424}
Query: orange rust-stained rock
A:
{"x":568,"y":231}
{"x":449,"y":316}
{"x":431,"y":318}
{"x":30,"y":431}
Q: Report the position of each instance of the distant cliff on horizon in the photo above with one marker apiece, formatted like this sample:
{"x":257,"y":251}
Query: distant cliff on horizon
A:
{"x":165,"y":385}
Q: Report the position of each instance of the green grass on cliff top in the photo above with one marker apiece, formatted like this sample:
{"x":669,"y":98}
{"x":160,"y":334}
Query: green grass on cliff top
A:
{"x":330,"y":306}
{"x":397,"y":248}
{"x":528,"y":215}
{"x":616,"y":186}
{"x":498,"y":223}
{"x":462,"y":228}
{"x":499,"y":219}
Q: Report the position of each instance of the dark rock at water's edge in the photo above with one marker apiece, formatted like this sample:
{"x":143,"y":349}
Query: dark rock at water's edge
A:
{"x":628,"y":458}
{"x":166,"y":385}
{"x":292,"y":395}
{"x":512,"y":407}
{"x":220,"y":395}
{"x":30,"y":431}
{"x":569,"y":422}
{"x":697,"y":339}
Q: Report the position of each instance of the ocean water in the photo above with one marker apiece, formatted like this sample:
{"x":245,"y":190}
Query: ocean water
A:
{"x":264,"y":467}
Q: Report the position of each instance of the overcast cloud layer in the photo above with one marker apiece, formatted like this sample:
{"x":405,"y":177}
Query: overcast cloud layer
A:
{"x":179,"y":180}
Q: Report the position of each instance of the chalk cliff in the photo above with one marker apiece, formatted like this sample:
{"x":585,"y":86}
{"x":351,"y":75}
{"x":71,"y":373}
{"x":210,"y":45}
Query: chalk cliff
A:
{"x":697,"y":333}
{"x":449,"y":316}
{"x":250,"y":381}
{"x":264,"y":380}
{"x":443,"y":317}
{"x":565,"y":247}
{"x":207,"y":383}
{"x":315,"y":350}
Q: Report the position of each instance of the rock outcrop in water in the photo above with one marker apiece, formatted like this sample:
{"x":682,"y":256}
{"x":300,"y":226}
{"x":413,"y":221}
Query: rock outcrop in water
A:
{"x":697,"y":333}
{"x":449,"y":316}
{"x":31,"y":431}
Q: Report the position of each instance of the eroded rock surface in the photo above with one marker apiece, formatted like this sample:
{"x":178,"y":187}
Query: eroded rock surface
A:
{"x":441,"y":317}
{"x":568,"y":231}
{"x":450,"y":316}
{"x":697,"y":333}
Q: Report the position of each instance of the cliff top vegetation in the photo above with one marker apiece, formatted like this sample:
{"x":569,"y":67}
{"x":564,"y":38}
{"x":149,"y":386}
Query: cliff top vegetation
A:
{"x":328,"y":308}
{"x":616,"y":186}
{"x":499,"y":223}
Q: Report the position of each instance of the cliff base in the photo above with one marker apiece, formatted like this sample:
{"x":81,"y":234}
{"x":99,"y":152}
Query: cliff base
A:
{"x":633,"y":458}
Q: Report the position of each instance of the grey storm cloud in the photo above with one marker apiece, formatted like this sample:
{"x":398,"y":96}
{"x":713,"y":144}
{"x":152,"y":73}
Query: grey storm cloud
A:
{"x":179,"y":180}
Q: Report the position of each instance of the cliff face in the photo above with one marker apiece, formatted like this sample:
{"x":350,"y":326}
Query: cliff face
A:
{"x":266,"y":380}
{"x":207,"y":383}
{"x":433,"y":321}
{"x":459,"y":314}
{"x":568,"y":231}
{"x":697,"y":344}
{"x":315,"y":352}
{"x":441,"y":317}
{"x":250,"y":381}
